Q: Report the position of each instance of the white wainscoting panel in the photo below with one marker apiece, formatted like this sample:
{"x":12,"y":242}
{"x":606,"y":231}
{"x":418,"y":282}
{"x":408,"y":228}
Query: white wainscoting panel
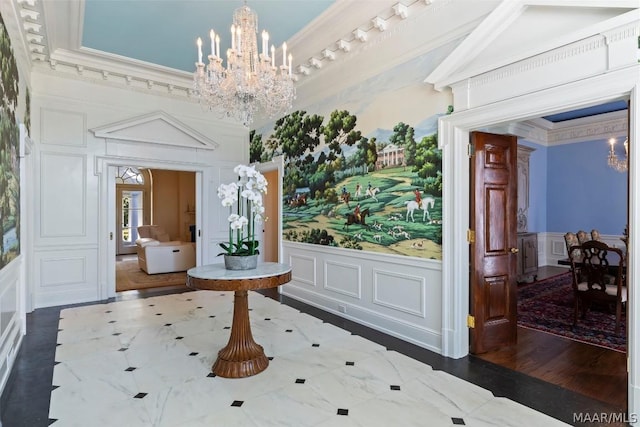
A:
{"x":399,"y":292}
{"x":66,"y":276}
{"x":63,"y":200}
{"x":343,"y":278}
{"x":303,"y":269}
{"x":63,"y":128}
{"x":11,"y":317}
{"x":403,"y":299}
{"x":63,"y":271}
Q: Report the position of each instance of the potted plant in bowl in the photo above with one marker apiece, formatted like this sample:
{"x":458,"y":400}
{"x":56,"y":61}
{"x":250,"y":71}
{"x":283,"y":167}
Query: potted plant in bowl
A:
{"x":244,"y":200}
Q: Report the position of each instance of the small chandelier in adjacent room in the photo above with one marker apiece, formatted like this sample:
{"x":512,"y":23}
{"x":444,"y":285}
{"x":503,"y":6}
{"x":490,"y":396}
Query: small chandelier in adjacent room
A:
{"x":251,"y":81}
{"x":620,"y":165}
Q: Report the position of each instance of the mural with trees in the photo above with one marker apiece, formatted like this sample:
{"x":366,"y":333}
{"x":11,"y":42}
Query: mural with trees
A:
{"x":380,"y":192}
{"x":9,"y":152}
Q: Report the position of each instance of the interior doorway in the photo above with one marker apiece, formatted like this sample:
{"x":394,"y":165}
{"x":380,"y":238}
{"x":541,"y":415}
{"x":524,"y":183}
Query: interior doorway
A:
{"x":170,"y":198}
{"x":593,"y":371}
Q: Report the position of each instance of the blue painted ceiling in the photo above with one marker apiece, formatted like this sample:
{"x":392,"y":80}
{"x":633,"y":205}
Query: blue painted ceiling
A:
{"x":587,"y":112}
{"x":164,"y":32}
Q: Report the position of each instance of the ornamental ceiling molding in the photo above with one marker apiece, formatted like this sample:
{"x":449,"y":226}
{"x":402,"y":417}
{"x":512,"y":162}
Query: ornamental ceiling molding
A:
{"x":564,"y":53}
{"x":598,"y":127}
{"x":72,"y":60}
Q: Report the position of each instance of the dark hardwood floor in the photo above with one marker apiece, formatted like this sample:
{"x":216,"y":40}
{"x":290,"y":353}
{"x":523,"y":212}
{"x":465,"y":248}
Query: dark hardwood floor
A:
{"x":592,"y":371}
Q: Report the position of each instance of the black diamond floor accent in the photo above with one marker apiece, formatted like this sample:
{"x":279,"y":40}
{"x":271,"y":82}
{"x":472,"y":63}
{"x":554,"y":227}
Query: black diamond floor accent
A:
{"x":211,"y":375}
{"x":289,"y":330}
{"x":158,"y":314}
{"x":123,"y":349}
{"x":179,"y":338}
{"x":52,"y":420}
{"x":112,"y":321}
{"x":457,"y":421}
{"x":300,"y":381}
{"x":151,"y":305}
{"x":130,"y":369}
{"x":212,"y":317}
{"x":270,"y":357}
{"x":198,"y":307}
{"x":237,"y":403}
{"x":140,"y":395}
{"x":167,"y":324}
{"x":108,"y":311}
{"x":315,"y":345}
{"x":53,"y":387}
{"x":395,"y":387}
{"x":267,"y":318}
{"x":189,"y":299}
{"x":343,"y":411}
{"x":227,"y":327}
{"x":115,"y":334}
{"x":350,"y":363}
{"x":193,"y":353}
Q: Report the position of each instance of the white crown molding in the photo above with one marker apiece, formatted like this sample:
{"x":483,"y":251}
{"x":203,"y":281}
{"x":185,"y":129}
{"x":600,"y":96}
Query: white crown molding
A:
{"x":155,"y":128}
{"x":598,"y":127}
{"x":455,"y":67}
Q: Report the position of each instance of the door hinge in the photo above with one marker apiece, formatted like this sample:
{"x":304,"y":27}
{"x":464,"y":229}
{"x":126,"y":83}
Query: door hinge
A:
{"x":471,"y":321}
{"x":471,"y":150}
{"x":471,"y":236}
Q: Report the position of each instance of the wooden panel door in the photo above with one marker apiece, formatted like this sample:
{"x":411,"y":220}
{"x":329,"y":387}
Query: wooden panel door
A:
{"x":494,"y":252}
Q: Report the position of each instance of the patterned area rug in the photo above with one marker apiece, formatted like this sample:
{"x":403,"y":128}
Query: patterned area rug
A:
{"x":129,"y":277}
{"x":547,"y":305}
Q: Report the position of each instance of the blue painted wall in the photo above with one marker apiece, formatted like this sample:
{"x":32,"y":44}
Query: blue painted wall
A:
{"x":572,"y":188}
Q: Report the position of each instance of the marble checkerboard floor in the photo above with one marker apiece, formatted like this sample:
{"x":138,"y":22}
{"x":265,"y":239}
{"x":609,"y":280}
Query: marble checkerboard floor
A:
{"x":147,"y":362}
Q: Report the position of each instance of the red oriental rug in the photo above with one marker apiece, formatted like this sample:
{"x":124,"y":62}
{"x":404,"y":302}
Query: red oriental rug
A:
{"x":547,"y":305}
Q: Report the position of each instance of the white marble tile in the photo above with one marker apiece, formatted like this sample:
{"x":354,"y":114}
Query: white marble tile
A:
{"x":80,"y":349}
{"x":295,"y":405}
{"x":178,"y":404}
{"x":172,"y":364}
{"x":155,"y":376}
{"x":123,"y":413}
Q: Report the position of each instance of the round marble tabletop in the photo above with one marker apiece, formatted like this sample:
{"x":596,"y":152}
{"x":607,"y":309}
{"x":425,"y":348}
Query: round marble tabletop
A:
{"x":216,"y":277}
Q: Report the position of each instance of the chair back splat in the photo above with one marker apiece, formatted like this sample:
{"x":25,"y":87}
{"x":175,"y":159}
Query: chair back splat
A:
{"x":598,"y":276}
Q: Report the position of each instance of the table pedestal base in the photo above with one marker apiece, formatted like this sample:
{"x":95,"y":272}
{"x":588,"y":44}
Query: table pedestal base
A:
{"x":242,"y":357}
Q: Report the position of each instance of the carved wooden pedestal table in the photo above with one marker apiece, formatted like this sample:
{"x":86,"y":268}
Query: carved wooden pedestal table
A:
{"x":242,"y":357}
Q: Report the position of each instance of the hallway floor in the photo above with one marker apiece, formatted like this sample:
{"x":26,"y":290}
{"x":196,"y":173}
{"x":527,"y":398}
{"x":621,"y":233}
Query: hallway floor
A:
{"x":145,"y":359}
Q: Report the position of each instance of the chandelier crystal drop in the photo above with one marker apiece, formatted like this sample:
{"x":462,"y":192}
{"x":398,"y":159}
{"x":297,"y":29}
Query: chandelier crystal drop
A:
{"x":252,"y":80}
{"x":619,"y":165}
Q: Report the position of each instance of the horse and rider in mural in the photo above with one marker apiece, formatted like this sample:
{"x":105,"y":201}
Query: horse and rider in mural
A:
{"x":424,"y":204}
{"x":357,"y":217}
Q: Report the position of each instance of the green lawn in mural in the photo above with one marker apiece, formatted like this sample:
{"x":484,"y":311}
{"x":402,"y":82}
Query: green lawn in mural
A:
{"x":379,"y":193}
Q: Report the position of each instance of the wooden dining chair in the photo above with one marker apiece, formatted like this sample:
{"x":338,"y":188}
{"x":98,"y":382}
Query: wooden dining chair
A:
{"x":598,"y":277}
{"x":583,"y":236}
{"x":570,"y":240}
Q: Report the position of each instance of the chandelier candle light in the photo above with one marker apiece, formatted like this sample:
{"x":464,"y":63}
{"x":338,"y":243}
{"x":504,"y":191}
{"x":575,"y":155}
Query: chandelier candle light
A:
{"x":614,"y":162}
{"x":245,"y":195}
{"x":251,"y":81}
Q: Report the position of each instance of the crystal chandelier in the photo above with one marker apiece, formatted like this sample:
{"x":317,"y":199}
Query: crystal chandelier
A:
{"x":620,"y":165}
{"x":250,"y":81}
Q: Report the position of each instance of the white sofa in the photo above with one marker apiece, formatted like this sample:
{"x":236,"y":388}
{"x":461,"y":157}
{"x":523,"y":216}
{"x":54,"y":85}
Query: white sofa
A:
{"x":158,"y":254}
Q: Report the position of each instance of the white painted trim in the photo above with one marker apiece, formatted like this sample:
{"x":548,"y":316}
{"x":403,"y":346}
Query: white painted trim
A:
{"x":109,"y":131}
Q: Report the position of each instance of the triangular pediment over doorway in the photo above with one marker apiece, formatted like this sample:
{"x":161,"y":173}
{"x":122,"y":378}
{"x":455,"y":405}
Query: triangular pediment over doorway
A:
{"x":521,"y":29}
{"x":155,"y":128}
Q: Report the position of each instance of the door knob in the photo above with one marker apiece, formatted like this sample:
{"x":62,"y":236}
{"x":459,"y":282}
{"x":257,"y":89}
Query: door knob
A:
{"x":514,"y":250}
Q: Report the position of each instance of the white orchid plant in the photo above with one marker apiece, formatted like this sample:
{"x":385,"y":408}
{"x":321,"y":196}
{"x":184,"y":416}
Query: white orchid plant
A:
{"x":245,"y":196}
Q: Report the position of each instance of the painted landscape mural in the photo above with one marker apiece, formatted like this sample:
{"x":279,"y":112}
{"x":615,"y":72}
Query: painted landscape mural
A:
{"x":380,"y":192}
{"x":9,"y":153}
{"x":363,"y":169}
